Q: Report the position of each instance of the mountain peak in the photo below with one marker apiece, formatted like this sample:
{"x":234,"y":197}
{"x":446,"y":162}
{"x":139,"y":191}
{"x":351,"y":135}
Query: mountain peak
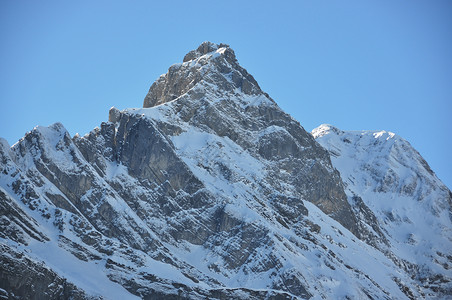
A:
{"x":210,"y":68}
{"x":213,"y":192}
{"x":209,"y":47}
{"x":325,"y":129}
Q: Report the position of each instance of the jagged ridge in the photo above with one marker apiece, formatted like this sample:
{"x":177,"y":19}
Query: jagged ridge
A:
{"x":211,"y":190}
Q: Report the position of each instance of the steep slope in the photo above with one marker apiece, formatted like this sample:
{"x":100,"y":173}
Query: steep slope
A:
{"x":217,"y":97}
{"x":209,"y":191}
{"x":412,"y":206}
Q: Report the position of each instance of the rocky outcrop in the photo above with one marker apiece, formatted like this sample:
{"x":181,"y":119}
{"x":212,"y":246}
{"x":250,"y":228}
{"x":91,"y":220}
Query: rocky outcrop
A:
{"x":209,"y":191}
{"x":197,"y":69}
{"x":214,"y":92}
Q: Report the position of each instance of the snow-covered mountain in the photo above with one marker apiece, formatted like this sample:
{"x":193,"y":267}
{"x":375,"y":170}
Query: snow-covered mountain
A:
{"x":412,"y":206}
{"x":211,"y":191}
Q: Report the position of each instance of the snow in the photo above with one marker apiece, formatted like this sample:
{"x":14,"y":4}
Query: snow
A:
{"x":390,"y":176}
{"x":114,"y":170}
{"x":259,"y":100}
{"x":384,"y":134}
{"x":273,"y":129}
{"x":221,"y":50}
{"x":378,"y":166}
{"x":52,"y":139}
{"x":87,"y":275}
{"x":203,"y":152}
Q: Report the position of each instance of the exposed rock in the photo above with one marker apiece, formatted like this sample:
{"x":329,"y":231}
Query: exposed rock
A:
{"x":210,"y":64}
{"x":209,"y":191}
{"x":23,"y":278}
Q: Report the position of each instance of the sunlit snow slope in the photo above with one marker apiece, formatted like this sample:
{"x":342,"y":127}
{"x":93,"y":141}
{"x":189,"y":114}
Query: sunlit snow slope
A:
{"x":412,"y":206}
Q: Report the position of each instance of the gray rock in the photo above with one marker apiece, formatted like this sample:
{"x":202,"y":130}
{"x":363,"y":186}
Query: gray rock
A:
{"x":209,"y":64}
{"x":210,"y":191}
{"x":23,"y":278}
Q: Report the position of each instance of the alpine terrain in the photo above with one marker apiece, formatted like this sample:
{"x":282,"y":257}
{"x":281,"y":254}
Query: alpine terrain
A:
{"x":211,"y":191}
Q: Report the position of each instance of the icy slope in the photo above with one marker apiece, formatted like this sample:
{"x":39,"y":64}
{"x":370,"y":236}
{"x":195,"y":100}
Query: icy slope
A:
{"x":412,"y":206}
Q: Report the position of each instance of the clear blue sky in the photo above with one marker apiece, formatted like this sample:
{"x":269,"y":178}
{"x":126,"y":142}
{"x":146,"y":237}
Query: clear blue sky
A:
{"x":354,"y":64}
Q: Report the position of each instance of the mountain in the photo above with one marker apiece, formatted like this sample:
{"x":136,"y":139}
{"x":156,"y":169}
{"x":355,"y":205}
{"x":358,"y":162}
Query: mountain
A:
{"x":211,"y":191}
{"x":412,"y":206}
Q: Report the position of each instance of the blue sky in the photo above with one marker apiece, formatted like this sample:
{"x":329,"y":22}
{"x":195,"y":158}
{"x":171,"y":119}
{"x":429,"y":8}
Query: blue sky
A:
{"x":354,"y":64}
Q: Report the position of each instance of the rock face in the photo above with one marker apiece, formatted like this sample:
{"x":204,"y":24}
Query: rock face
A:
{"x":209,"y":191}
{"x":213,"y":65}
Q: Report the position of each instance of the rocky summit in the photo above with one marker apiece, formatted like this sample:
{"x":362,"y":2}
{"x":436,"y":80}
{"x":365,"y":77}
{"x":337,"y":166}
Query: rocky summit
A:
{"x":211,"y":191}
